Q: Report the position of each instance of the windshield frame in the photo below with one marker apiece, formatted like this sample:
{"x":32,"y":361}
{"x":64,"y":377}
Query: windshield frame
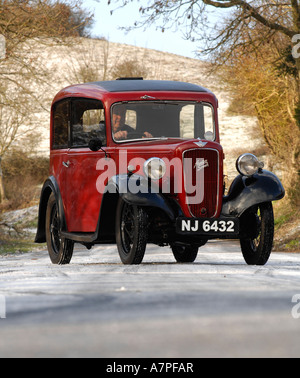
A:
{"x":158,"y":101}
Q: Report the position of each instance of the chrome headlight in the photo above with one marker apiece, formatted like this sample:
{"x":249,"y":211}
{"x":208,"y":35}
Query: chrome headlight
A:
{"x":155,"y":168}
{"x":248,"y":164}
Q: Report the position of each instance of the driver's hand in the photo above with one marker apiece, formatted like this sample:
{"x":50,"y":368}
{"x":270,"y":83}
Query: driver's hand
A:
{"x":147,"y":135}
{"x":121,"y":135}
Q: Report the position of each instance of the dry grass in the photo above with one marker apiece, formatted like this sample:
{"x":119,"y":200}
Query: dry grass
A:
{"x":23,"y":176}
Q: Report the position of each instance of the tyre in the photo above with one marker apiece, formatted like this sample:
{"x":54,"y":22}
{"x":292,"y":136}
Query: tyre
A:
{"x":257,"y":249}
{"x":131,"y":232}
{"x":185,"y":253}
{"x":60,"y":249}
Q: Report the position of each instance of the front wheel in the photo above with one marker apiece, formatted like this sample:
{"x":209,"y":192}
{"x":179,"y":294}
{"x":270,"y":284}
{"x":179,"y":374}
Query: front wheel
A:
{"x":60,"y":249}
{"x":257,"y":249}
{"x":131,"y":232}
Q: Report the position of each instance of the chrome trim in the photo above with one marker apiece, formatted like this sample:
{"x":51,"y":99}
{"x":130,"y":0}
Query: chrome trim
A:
{"x":239,"y":160}
{"x":214,"y":117}
{"x":66,"y":164}
{"x":218,"y":172}
{"x":149,"y":161}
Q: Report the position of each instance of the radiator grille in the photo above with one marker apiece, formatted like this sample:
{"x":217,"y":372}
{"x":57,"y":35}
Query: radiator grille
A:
{"x":208,"y":161}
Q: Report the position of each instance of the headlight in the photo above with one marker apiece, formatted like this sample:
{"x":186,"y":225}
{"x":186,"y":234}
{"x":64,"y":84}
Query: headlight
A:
{"x":248,"y":164}
{"x":155,"y":168}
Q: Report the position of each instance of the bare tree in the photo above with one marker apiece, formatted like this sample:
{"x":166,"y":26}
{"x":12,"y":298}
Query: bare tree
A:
{"x":240,"y":18}
{"x":22,"y":22}
{"x":15,"y":125}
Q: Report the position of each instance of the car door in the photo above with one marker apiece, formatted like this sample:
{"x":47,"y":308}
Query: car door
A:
{"x":60,"y":121}
{"x":83,"y":200}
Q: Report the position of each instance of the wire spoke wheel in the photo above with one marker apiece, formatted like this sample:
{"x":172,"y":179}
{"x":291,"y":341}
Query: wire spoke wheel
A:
{"x":131,"y":232}
{"x":54,"y":230}
{"x":257,"y":249}
{"x":127,"y":227}
{"x":60,"y":249}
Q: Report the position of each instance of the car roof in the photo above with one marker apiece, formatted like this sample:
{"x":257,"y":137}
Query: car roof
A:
{"x":132,"y":85}
{"x":126,"y":85}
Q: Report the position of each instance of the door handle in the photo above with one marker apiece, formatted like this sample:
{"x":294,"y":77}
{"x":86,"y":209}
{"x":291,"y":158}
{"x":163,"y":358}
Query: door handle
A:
{"x":66,"y":164}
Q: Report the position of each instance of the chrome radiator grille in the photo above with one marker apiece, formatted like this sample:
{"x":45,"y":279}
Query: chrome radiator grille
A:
{"x":207,"y":161}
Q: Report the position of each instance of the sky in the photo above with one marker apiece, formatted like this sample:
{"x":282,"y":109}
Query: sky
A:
{"x":107,"y":25}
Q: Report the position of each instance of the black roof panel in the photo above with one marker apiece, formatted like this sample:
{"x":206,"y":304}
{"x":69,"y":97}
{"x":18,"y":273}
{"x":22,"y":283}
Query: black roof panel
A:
{"x":148,"y":85}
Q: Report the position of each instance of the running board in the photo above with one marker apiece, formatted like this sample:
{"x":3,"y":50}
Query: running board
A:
{"x":81,"y":237}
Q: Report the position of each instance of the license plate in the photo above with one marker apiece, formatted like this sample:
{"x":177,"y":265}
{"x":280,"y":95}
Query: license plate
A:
{"x":204,"y":226}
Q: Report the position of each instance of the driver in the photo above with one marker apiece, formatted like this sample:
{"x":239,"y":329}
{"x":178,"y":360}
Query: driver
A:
{"x":120,"y":129}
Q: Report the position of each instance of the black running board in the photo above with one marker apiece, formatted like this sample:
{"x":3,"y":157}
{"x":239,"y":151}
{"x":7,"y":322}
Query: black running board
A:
{"x":81,"y":237}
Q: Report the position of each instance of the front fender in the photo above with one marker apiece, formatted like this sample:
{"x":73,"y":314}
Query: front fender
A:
{"x":245,"y":192}
{"x":137,"y":190}
{"x":50,"y":186}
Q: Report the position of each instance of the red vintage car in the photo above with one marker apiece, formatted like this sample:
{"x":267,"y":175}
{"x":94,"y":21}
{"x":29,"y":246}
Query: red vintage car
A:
{"x":134,"y":161}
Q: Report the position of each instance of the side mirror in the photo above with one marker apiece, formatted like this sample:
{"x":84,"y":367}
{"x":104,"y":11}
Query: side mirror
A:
{"x":95,"y":144}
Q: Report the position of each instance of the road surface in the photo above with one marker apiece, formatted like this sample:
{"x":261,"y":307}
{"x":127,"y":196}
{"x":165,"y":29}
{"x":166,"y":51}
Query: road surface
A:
{"x":97,"y":307}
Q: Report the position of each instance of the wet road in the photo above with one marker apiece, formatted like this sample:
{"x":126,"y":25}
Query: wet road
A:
{"x":97,"y":307}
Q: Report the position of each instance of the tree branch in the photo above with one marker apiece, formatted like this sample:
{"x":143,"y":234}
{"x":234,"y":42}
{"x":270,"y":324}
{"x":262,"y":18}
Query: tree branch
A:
{"x":253,"y":12}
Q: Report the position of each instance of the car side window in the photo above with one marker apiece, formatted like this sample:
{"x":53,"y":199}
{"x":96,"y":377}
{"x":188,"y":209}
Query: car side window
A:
{"x":61,"y":118}
{"x":87,"y":122}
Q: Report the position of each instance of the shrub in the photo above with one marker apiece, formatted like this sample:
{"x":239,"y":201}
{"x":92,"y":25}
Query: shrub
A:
{"x":23,"y":175}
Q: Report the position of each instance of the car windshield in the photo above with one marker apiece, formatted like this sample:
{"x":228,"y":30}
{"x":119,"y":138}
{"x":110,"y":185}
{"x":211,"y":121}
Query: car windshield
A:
{"x":162,"y":119}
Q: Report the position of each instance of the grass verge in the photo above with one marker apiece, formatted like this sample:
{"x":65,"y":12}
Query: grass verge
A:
{"x":10,"y":246}
{"x":287,"y":228}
